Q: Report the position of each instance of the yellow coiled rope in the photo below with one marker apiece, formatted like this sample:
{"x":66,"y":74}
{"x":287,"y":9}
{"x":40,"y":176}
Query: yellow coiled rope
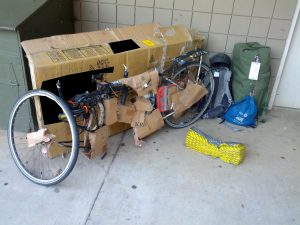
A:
{"x":229,"y":152}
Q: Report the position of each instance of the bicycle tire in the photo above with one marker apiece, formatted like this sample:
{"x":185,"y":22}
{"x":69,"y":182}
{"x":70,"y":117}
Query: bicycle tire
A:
{"x":206,"y":77}
{"x":35,"y":162}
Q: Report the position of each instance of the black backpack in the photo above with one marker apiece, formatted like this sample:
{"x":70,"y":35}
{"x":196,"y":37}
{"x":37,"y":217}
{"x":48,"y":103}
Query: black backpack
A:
{"x":222,"y":98}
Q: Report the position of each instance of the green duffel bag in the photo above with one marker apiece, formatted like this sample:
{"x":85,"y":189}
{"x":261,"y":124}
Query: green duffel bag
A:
{"x":243,"y":55}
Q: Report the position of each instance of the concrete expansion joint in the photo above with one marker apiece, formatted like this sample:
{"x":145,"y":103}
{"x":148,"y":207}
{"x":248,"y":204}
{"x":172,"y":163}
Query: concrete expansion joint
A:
{"x":106,"y":174}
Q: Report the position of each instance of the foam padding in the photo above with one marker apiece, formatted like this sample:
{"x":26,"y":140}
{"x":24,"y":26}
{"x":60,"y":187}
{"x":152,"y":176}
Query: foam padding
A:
{"x":229,"y":152}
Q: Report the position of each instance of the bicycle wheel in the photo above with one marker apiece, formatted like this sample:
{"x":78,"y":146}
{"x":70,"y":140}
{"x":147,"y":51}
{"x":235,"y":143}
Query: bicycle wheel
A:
{"x":188,"y":73}
{"x":34,"y":146}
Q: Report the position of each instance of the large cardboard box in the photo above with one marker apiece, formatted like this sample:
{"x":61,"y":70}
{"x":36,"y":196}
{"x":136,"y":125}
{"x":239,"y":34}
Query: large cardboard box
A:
{"x":140,"y":48}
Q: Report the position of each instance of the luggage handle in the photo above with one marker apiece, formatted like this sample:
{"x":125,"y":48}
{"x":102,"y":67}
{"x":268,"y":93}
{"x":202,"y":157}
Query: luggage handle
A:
{"x":251,"y":46}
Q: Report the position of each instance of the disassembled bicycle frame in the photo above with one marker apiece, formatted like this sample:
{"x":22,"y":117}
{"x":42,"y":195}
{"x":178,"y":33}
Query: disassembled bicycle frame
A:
{"x":145,"y":85}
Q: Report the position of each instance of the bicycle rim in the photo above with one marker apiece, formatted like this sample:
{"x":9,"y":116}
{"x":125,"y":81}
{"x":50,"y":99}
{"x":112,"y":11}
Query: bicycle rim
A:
{"x":35,"y":146}
{"x":185,"y":74}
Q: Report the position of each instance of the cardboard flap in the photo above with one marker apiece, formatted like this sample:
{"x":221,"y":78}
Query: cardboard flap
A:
{"x":176,"y":103}
{"x":97,"y":141}
{"x":137,"y":82}
{"x":138,"y":119}
{"x":143,"y":83}
{"x":126,"y":113}
{"x":153,"y":122}
{"x":111,"y":107}
{"x":38,"y":137}
{"x":143,"y":104}
{"x":182,"y":100}
{"x":152,"y":85}
{"x":192,"y":94}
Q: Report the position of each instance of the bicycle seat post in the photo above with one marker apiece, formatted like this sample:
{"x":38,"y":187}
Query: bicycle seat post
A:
{"x":125,"y":71}
{"x":59,"y":89}
{"x":125,"y":88}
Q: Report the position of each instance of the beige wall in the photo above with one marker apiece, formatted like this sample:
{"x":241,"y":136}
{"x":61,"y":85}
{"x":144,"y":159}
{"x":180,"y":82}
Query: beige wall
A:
{"x":223,"y":22}
{"x":288,"y":91}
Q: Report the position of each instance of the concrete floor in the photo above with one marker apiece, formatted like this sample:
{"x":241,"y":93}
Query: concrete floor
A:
{"x":164,"y":183}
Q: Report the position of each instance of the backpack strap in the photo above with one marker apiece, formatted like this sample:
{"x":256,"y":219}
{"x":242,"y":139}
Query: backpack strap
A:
{"x":223,"y":87}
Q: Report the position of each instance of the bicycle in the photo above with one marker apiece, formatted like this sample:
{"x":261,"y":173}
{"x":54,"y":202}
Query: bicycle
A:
{"x":30,"y":139}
